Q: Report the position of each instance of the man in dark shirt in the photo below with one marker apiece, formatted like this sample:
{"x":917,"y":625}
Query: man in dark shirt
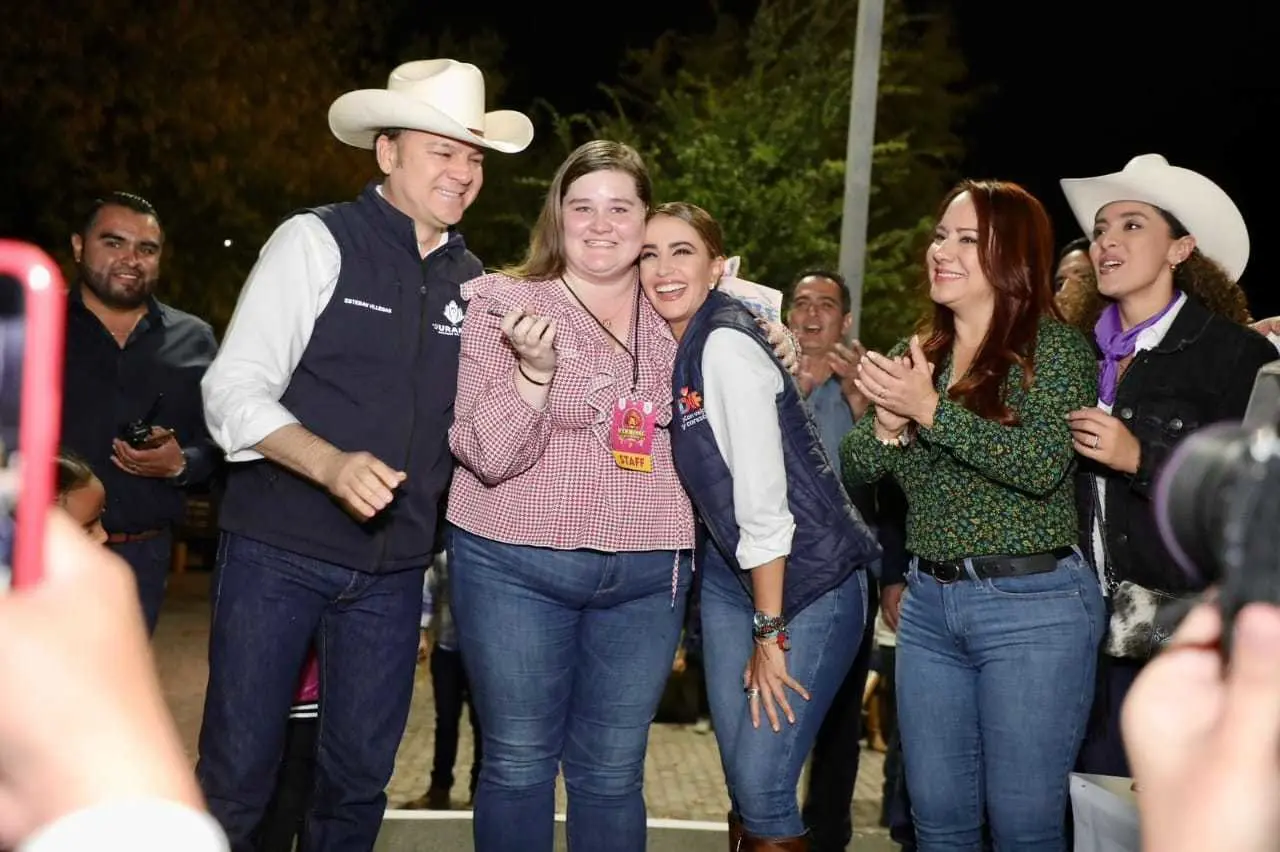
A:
{"x":132,"y":359}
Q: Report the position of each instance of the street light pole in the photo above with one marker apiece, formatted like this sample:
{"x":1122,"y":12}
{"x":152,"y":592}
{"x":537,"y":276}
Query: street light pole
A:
{"x":858,"y":153}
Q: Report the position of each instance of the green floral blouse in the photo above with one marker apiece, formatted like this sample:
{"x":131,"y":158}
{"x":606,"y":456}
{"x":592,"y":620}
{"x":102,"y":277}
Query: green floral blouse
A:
{"x":975,"y":487}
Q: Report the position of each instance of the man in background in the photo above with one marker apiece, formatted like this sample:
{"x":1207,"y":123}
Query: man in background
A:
{"x":133,"y":361}
{"x":820,"y":317}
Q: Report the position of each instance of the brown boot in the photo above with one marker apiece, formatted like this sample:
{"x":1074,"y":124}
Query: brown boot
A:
{"x":775,"y":844}
{"x":735,"y":832}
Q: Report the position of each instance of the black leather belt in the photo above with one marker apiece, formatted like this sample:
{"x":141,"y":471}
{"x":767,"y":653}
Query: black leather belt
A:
{"x":994,"y":566}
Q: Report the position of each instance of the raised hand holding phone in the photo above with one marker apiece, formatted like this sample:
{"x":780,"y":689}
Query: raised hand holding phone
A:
{"x":33,"y":300}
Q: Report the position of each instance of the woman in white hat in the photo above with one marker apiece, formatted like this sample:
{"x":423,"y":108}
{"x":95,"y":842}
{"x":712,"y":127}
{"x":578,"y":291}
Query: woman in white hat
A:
{"x":1167,"y":246}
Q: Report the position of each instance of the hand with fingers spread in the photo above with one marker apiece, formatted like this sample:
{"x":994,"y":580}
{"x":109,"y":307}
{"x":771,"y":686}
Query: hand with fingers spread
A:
{"x":362,"y":483}
{"x":766,"y":681}
{"x":1204,"y":738}
{"x":1099,"y":436}
{"x":533,"y":339}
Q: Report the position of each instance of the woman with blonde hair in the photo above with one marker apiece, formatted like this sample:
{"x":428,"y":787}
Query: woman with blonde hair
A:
{"x":572,"y":540}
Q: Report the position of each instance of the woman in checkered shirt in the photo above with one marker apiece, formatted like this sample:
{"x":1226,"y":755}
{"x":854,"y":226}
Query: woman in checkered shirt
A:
{"x":571,"y":552}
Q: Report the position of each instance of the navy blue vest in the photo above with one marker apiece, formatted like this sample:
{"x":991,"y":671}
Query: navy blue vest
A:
{"x":379,"y":374}
{"x":831,"y":540}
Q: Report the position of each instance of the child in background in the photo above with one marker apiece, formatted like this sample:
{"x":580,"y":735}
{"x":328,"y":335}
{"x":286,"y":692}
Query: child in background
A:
{"x":285,"y":816}
{"x":81,"y":494}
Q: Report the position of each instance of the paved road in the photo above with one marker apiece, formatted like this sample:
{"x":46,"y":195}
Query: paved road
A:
{"x":683,"y":779}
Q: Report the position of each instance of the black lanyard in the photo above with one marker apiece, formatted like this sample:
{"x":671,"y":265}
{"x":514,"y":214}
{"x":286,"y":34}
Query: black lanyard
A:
{"x":635,"y":332}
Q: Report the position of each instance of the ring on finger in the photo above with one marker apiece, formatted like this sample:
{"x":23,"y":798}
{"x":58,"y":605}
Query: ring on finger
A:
{"x":1097,"y":439}
{"x":753,"y":692}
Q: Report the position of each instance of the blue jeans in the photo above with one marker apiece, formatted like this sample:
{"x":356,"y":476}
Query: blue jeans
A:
{"x":762,"y":768}
{"x":567,"y":653}
{"x":995,"y":681}
{"x":150,"y":561}
{"x":268,"y":604}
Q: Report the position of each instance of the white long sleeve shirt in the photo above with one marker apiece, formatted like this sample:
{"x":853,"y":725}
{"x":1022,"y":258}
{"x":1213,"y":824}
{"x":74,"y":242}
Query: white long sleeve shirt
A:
{"x":144,"y":825}
{"x":740,"y":388}
{"x":285,"y":293}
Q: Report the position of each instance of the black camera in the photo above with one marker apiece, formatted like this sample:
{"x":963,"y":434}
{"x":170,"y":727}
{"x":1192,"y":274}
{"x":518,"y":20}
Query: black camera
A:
{"x":137,"y":433}
{"x":1217,"y":504}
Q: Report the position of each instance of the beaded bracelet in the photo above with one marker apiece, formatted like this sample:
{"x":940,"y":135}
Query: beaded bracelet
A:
{"x":900,"y":441}
{"x":770,"y":629}
{"x":781,"y":638}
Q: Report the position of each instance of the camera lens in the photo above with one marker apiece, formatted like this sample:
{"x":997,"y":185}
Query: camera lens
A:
{"x":1190,"y":497}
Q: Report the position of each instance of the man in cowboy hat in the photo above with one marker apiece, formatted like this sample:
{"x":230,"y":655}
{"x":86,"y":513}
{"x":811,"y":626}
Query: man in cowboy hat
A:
{"x":332,"y":396}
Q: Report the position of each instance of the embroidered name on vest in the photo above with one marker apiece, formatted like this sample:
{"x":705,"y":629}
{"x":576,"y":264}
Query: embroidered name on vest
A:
{"x":347,"y":300}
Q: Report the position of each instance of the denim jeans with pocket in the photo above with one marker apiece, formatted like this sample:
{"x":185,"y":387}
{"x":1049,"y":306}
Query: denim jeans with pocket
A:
{"x":762,"y":768}
{"x":269,"y":604}
{"x":567,"y":653}
{"x":995,"y":682}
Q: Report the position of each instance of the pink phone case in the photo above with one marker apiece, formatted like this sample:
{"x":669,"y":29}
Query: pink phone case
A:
{"x":40,"y":417}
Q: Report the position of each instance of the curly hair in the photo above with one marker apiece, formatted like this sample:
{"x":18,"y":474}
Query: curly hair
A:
{"x":1209,"y":283}
{"x":1198,"y":276}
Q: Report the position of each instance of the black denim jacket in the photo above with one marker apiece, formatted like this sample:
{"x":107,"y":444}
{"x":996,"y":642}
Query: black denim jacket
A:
{"x":1201,"y":373}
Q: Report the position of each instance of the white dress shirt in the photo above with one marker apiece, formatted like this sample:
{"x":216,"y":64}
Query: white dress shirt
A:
{"x":285,"y":293}
{"x":741,"y":384}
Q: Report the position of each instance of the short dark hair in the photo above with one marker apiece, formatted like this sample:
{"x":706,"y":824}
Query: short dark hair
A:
{"x":846,"y":303}
{"x":74,"y":473}
{"x":128,"y":200}
{"x":1078,"y":244}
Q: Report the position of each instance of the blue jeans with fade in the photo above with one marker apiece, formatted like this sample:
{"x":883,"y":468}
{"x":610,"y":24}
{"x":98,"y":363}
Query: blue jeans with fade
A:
{"x":762,"y":768}
{"x":567,"y":654}
{"x":995,"y":681}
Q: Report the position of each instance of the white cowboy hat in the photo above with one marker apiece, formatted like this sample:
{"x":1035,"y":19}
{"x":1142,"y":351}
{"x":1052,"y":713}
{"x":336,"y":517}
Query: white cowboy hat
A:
{"x":1208,"y":213}
{"x":434,"y":95}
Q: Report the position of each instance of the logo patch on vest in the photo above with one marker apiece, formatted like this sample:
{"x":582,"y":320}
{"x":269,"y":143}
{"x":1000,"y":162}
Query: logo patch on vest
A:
{"x":368,"y":306}
{"x":690,"y":405}
{"x":455,"y":315}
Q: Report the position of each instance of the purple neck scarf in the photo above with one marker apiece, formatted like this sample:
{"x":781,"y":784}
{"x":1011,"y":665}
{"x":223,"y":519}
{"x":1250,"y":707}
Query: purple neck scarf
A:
{"x":1117,"y":344}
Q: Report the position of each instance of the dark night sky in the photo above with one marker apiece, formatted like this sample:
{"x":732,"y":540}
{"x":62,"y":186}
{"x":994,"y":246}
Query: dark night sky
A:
{"x":1095,"y":85}
{"x":1080,"y":88}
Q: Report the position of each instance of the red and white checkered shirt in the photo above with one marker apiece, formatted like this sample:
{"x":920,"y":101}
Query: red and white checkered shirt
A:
{"x":548,"y":478}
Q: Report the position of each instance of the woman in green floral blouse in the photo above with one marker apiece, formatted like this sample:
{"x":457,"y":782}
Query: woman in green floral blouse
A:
{"x":1000,"y":625}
